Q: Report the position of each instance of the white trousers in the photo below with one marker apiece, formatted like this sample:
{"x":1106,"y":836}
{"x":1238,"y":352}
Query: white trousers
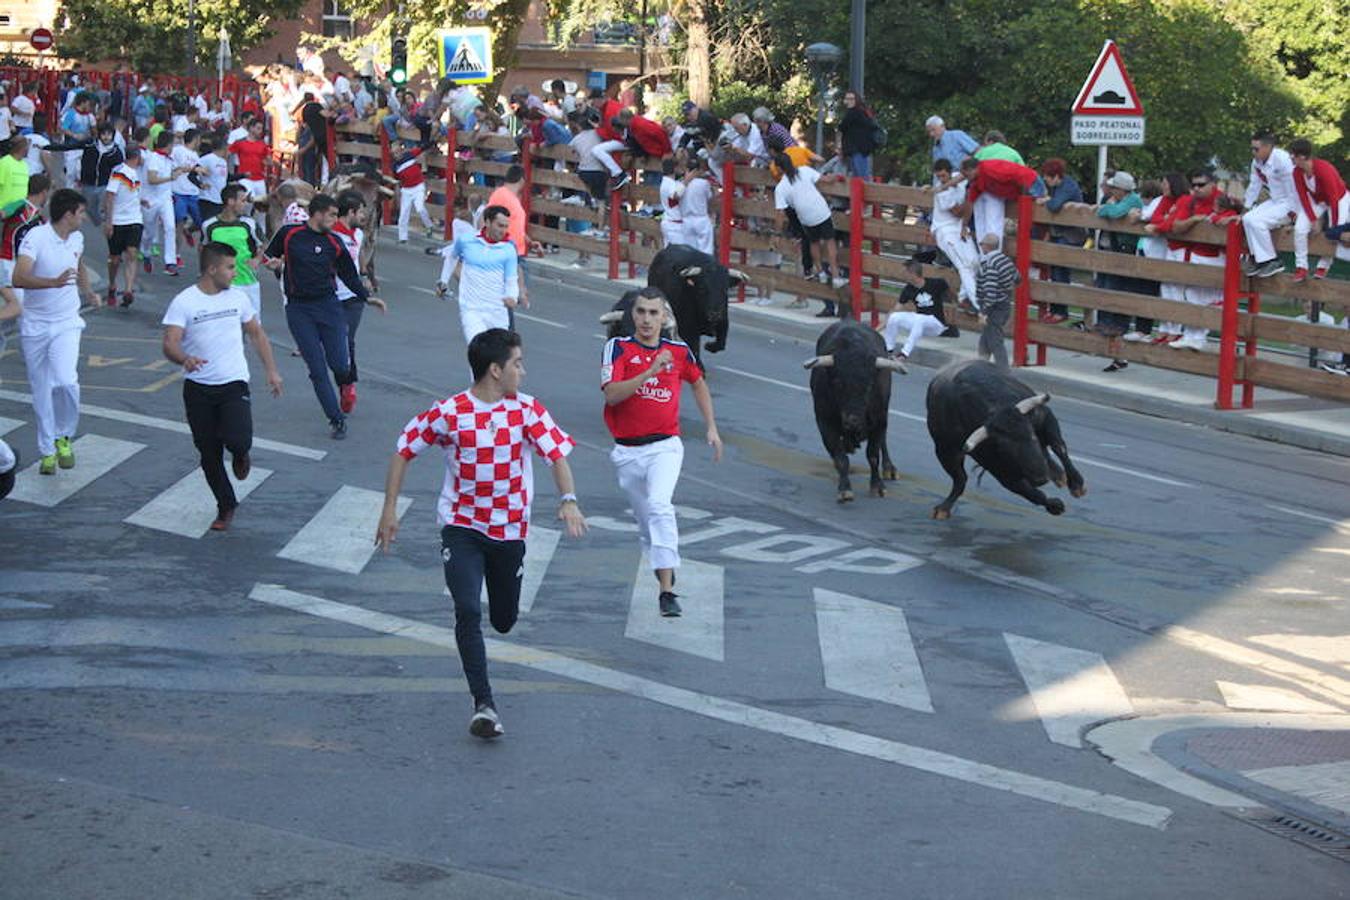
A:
{"x":1202,"y":296}
{"x":647,"y":474}
{"x":988,"y":217}
{"x":475,"y":318}
{"x":159,"y":215}
{"x":1303,"y":225}
{"x":918,"y":325}
{"x":410,"y":198}
{"x":604,"y":154}
{"x":698,"y":233}
{"x":1170,"y":291}
{"x":1257,"y":223}
{"x":672,"y":232}
{"x":254,"y":294}
{"x":51,"y":353}
{"x":963,"y":253}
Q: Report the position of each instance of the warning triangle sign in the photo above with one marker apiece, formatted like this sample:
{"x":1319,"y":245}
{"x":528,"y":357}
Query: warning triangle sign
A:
{"x":466,"y":61}
{"x":1108,"y":90}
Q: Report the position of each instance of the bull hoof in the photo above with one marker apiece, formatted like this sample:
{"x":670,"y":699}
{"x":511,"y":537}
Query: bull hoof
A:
{"x":845,"y":496}
{"x":715,"y":347}
{"x":891,"y":475}
{"x":1054,"y":506}
{"x":1080,"y":491}
{"x":940,"y":513}
{"x":877,"y":490}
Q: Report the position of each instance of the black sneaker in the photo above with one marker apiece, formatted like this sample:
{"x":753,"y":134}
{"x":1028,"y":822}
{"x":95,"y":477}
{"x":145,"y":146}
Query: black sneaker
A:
{"x":951,"y":331}
{"x":670,"y":607}
{"x":1268,"y":269}
{"x":337,"y":429}
{"x":485,"y":723}
{"x":618,"y":181}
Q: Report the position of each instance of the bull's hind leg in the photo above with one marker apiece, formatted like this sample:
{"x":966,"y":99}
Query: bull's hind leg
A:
{"x":954,"y":461}
{"x":888,"y":470}
{"x":875,"y":448}
{"x":840,"y":460}
{"x":1050,"y":436}
{"x":1056,"y":473}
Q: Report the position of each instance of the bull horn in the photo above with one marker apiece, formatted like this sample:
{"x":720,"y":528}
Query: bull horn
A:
{"x":691,"y":271}
{"x":738,"y":275}
{"x":611,"y":317}
{"x":819,"y":362}
{"x":895,"y":365}
{"x":1030,"y":403}
{"x":976,"y":438}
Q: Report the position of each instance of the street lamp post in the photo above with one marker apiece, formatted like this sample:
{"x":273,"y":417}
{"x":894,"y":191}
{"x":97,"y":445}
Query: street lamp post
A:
{"x":822,"y":58}
{"x":857,"y":50}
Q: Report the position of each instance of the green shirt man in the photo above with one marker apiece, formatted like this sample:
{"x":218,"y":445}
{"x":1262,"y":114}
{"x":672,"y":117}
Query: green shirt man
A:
{"x":232,"y":229}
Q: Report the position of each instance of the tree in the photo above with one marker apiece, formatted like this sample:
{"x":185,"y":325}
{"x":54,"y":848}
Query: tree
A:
{"x":150,"y":34}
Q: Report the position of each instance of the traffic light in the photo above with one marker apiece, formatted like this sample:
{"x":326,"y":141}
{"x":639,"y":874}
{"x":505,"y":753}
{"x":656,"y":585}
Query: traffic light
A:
{"x":398,"y":60}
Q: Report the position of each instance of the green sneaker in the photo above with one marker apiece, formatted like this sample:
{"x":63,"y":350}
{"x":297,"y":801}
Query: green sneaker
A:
{"x":48,"y":465}
{"x":65,"y":456}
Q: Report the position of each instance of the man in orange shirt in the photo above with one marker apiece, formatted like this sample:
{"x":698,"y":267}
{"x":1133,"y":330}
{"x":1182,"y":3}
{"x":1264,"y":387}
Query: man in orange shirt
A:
{"x":509,"y":196}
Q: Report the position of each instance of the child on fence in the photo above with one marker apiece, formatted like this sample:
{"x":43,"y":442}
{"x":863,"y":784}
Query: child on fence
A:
{"x":412,"y":190}
{"x":995,"y":280}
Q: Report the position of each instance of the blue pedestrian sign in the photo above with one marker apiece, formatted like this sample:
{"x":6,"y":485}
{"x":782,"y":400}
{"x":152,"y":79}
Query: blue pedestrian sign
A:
{"x":466,"y":54}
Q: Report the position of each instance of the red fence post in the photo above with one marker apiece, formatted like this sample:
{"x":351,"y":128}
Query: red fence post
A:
{"x":527,"y":163}
{"x":726,"y":213}
{"x":855,"y":242}
{"x":386,"y":167}
{"x":1022,"y":301}
{"x":332,"y":149}
{"x":451,"y":179}
{"x":1232,"y":273}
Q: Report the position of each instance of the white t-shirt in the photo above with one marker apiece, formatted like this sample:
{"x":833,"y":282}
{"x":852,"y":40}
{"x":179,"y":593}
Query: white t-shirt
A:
{"x":179,"y":124}
{"x":23,"y":108}
{"x":672,"y":192}
{"x":36,"y":144}
{"x":945,"y":201}
{"x":51,"y":256}
{"x":583,"y":143}
{"x":217,"y":173}
{"x":202,"y":106}
{"x":694,"y":203}
{"x":342,"y":88}
{"x":157,"y":164}
{"x":125,"y":186}
{"x":182,"y":156}
{"x":353,"y":243}
{"x":803,"y":197}
{"x":211,"y":326}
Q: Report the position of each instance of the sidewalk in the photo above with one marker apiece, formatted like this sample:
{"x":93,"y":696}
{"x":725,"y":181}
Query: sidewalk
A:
{"x":1299,"y":421}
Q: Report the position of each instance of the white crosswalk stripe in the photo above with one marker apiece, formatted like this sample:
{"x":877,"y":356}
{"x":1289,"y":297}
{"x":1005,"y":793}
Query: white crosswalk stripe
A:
{"x":539,"y":549}
{"x":341,"y":535}
{"x":188,"y":507}
{"x":699,"y":629}
{"x":1264,"y":698}
{"x":867,"y":651}
{"x":95,"y":456}
{"x":1069,"y":688}
{"x":8,"y":425}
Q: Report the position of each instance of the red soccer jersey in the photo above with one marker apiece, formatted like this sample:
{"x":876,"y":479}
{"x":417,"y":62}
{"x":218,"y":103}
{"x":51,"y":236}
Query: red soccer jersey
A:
{"x":24,"y":220}
{"x":488,"y":476}
{"x":252,"y":155}
{"x":655,"y":408}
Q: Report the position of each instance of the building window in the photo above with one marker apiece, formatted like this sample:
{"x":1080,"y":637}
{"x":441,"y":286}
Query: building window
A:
{"x":337,"y":22}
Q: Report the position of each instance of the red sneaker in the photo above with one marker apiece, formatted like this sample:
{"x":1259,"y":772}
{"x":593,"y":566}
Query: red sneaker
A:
{"x":1300,"y":276}
{"x":347,"y":397}
{"x":1322,"y":270}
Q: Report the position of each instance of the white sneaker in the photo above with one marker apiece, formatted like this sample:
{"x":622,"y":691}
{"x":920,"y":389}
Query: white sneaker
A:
{"x":1187,"y":344}
{"x":485,"y":722}
{"x":840,"y":282}
{"x":1135,"y":337}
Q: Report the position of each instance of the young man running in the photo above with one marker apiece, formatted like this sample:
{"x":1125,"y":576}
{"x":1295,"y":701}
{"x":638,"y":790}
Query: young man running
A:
{"x":53,"y":279}
{"x":488,"y":285}
{"x":252,"y":153}
{"x":232,"y":229}
{"x":157,"y":197}
{"x":484,"y":508}
{"x":122,"y":224}
{"x":351,"y":215}
{"x":202,"y":334}
{"x":641,"y":377}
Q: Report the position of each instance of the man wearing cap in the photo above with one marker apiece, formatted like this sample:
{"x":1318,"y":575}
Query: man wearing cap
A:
{"x":951,"y":144}
{"x":143,"y":107}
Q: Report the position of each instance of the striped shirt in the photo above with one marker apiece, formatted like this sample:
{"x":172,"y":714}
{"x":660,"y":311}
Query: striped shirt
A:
{"x":995,"y":279}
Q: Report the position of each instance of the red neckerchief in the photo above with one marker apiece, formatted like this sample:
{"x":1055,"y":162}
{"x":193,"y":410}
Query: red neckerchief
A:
{"x":487,"y":240}
{"x":164,"y":153}
{"x":341,"y":226}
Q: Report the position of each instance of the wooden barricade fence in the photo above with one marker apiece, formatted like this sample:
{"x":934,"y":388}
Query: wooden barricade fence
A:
{"x":881,"y":227}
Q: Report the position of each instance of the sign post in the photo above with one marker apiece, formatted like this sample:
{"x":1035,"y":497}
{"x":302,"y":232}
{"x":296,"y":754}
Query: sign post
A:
{"x":1107,"y":111}
{"x":465,"y":54}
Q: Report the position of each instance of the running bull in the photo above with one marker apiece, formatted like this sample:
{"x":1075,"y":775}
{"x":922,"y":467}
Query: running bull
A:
{"x":851,"y":391}
{"x":977,"y":408}
{"x":696,"y":286}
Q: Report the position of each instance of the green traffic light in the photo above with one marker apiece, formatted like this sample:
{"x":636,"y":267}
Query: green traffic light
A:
{"x":398,"y":76}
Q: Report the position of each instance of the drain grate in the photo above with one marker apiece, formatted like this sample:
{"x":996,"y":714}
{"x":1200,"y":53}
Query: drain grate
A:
{"x":1301,"y":831}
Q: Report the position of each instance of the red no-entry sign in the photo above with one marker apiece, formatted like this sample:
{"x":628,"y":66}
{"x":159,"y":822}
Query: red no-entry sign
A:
{"x":41,"y":39}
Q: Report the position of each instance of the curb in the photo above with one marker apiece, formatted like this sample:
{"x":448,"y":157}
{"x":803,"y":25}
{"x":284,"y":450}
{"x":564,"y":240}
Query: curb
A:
{"x":1234,"y":422}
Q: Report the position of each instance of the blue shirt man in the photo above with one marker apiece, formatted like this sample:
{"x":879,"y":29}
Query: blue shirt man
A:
{"x":951,"y":144}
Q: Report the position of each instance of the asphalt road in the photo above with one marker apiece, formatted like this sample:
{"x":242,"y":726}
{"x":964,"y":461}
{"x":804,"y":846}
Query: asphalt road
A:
{"x":861,"y":702}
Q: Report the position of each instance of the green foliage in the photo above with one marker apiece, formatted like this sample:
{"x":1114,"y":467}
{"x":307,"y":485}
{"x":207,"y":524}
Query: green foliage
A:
{"x":151,"y":34}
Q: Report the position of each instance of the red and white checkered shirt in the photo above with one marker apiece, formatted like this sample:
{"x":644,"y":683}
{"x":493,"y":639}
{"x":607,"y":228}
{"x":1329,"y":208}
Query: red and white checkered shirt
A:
{"x":488,"y":476}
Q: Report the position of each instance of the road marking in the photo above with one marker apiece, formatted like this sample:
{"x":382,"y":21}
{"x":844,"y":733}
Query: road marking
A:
{"x":867,"y":651}
{"x":1273,"y":699}
{"x":1341,"y":524}
{"x":95,"y":455}
{"x":1326,"y":784}
{"x":341,"y":535}
{"x":730,"y":711}
{"x":8,"y":425}
{"x":422,"y":290}
{"x":1089,"y":461}
{"x":188,"y":507}
{"x":1337,"y":690}
{"x":698,"y":631}
{"x":1069,"y":688}
{"x":131,"y":418}
{"x":804,"y":389}
{"x":529,"y":318}
{"x":1333,"y":649}
{"x":539,"y":550}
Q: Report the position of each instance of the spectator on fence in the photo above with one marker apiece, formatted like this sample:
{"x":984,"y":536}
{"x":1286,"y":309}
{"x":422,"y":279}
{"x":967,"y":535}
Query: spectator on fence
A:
{"x":1122,"y":205}
{"x":1175,"y":188}
{"x":698,"y":194}
{"x":797,"y":191}
{"x":464,"y":104}
{"x":747,"y":143}
{"x":97,"y":162}
{"x":589,"y":169}
{"x":614,"y":132}
{"x":1152,"y":196}
{"x":402,"y":109}
{"x":948,"y":227}
{"x":992,"y":183}
{"x":701,"y":128}
{"x":1273,"y":172}
{"x":1063,"y":189}
{"x":674,"y":130}
{"x":1199,"y":206}
{"x":951,"y":144}
{"x":928,"y":296}
{"x":1321,"y":191}
{"x":996,"y":280}
{"x":771,"y":131}
{"x":857,"y":135}
{"x":363,"y":101}
{"x":995,"y":146}
{"x":801,"y":155}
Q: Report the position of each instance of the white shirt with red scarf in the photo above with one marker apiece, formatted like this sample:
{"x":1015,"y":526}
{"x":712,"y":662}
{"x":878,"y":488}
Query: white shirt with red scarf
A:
{"x":1323,"y":187}
{"x":351,"y":238}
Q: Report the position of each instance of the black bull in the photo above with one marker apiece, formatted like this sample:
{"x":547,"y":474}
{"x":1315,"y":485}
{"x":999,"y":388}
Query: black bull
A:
{"x":851,"y":392}
{"x":977,"y":408}
{"x":696,"y":286}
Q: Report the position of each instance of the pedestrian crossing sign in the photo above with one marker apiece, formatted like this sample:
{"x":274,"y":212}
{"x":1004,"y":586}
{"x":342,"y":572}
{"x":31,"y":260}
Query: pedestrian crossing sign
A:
{"x":466,"y":54}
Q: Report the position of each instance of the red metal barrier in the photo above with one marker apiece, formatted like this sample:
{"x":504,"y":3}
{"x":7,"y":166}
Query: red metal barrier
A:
{"x":855,"y":242}
{"x":1232,"y":276}
{"x":451,"y":180}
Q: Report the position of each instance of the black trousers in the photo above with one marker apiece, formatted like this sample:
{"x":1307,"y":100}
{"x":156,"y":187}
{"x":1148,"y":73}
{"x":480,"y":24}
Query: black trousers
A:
{"x":351,"y":311}
{"x":470,"y":558}
{"x":221,"y":418}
